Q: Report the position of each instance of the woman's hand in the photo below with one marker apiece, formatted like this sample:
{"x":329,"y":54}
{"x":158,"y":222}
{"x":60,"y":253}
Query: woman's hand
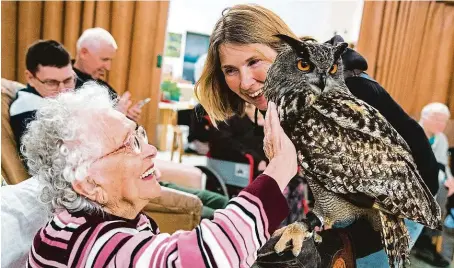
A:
{"x":279,"y":149}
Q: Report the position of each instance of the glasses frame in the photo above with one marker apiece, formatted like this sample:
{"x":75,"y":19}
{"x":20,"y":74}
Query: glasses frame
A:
{"x":133,"y":141}
{"x":45,"y":83}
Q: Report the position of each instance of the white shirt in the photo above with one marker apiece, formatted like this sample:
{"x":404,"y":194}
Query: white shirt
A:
{"x":440,"y":149}
{"x":22,"y":215}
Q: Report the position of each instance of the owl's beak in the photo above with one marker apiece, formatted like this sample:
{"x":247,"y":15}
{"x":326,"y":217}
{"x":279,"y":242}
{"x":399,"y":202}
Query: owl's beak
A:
{"x":321,"y":81}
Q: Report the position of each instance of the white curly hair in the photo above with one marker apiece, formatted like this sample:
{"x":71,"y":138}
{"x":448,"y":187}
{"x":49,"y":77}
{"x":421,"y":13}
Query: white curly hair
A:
{"x":58,"y":149}
{"x":435,"y":107}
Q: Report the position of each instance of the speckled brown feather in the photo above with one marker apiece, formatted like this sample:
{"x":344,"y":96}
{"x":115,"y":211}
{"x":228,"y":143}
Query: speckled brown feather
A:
{"x":346,"y":148}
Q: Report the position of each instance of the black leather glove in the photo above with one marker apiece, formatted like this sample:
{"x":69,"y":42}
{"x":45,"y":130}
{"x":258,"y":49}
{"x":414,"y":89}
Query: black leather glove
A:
{"x":335,"y":250}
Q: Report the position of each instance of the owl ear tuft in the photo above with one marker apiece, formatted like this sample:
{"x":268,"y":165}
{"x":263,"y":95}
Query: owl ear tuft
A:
{"x":295,"y":44}
{"x":339,"y":49}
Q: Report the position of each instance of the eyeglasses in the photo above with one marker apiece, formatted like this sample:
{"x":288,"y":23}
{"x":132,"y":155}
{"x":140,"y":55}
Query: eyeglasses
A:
{"x":54,"y":84}
{"x":134,"y":142}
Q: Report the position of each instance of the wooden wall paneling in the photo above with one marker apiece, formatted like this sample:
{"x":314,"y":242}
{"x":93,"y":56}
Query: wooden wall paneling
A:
{"x":72,"y":21}
{"x":395,"y":70}
{"x":88,"y":11}
{"x":53,"y":20}
{"x":30,"y":21}
{"x":383,"y":64}
{"x":413,"y":41}
{"x":153,"y":115}
{"x":370,"y":36}
{"x":401,"y":89}
{"x":414,"y":60}
{"x":103,"y":14}
{"x":428,"y":60}
{"x":102,"y":19}
{"x":122,"y":22}
{"x":423,"y":73}
{"x":445,"y":64}
{"x":9,"y":38}
{"x":450,"y":97}
{"x":437,"y":87}
{"x":143,"y":45}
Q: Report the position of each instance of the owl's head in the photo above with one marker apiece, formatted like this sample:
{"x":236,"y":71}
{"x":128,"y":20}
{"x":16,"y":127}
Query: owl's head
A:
{"x":307,"y":68}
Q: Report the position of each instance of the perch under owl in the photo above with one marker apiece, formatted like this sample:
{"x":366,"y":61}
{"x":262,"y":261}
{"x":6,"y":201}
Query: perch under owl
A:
{"x":356,"y":164}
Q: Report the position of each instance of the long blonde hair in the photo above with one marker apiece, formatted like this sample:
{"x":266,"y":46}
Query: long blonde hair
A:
{"x":240,"y":25}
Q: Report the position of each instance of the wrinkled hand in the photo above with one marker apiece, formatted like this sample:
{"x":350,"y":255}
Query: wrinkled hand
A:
{"x":134,"y":112}
{"x":449,"y":183}
{"x":279,"y":149}
{"x":124,"y":102}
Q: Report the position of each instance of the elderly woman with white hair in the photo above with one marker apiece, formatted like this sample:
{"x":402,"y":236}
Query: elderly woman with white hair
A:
{"x":98,"y":172}
{"x":434,"y":118}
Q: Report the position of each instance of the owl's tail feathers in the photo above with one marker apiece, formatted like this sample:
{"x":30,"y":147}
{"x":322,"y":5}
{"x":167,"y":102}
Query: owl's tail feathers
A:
{"x":396,"y":240}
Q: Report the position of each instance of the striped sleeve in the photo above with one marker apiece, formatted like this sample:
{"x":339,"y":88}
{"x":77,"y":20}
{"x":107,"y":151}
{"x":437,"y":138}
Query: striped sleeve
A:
{"x":231,"y":239}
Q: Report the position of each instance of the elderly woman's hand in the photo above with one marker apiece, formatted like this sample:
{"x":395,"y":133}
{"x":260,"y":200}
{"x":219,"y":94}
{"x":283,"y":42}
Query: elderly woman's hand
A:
{"x":279,"y":149}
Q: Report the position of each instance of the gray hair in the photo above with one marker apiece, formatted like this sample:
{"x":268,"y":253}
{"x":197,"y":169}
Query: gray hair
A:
{"x":435,"y":107}
{"x":93,"y":38}
{"x":58,"y":148}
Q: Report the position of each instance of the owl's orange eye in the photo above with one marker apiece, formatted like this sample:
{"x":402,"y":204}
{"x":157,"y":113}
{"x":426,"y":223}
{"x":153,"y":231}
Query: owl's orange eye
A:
{"x":303,"y":66}
{"x":333,"y":69}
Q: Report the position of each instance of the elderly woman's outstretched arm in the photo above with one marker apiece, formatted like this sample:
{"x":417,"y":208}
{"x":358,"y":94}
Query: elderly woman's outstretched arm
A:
{"x":232,"y":239}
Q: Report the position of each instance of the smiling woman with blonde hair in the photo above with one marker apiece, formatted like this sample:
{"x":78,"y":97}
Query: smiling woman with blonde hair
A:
{"x":258,"y":26}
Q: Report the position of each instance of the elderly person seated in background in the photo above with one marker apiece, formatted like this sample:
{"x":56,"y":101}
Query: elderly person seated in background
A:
{"x":434,"y":118}
{"x":98,"y":174}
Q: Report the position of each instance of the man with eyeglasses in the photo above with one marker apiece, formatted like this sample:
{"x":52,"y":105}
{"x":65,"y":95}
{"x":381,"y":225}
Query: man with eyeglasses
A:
{"x":49,"y":73}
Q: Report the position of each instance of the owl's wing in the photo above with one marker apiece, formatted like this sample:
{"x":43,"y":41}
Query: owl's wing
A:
{"x":349,"y":148}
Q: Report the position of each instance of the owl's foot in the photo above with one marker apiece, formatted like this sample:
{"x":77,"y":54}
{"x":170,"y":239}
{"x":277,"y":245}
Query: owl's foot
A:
{"x":317,"y":238}
{"x":296,"y":233}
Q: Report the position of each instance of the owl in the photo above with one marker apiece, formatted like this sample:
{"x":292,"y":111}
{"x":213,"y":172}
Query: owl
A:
{"x":356,"y":164}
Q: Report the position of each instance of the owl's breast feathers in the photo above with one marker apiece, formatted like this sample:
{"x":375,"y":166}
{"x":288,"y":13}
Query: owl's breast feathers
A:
{"x":350,"y":148}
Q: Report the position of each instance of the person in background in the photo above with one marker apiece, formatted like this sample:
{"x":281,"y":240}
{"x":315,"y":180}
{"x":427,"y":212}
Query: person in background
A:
{"x":96,"y":49}
{"x":238,"y":136}
{"x":98,"y":173}
{"x":48,"y":73}
{"x":199,"y":132}
{"x":434,"y":117}
{"x":447,"y":246}
{"x":199,"y":127}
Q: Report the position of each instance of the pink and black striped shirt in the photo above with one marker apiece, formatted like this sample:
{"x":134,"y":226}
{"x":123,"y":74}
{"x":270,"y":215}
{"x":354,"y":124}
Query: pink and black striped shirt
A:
{"x":231,"y":239}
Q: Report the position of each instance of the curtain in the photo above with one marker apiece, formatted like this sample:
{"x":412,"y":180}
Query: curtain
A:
{"x":137,"y":26}
{"x":409,"y":46}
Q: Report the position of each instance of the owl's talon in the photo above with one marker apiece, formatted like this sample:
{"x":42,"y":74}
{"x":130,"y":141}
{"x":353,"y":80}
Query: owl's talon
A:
{"x":296,"y":233}
{"x":317,"y":238}
{"x":279,"y":231}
